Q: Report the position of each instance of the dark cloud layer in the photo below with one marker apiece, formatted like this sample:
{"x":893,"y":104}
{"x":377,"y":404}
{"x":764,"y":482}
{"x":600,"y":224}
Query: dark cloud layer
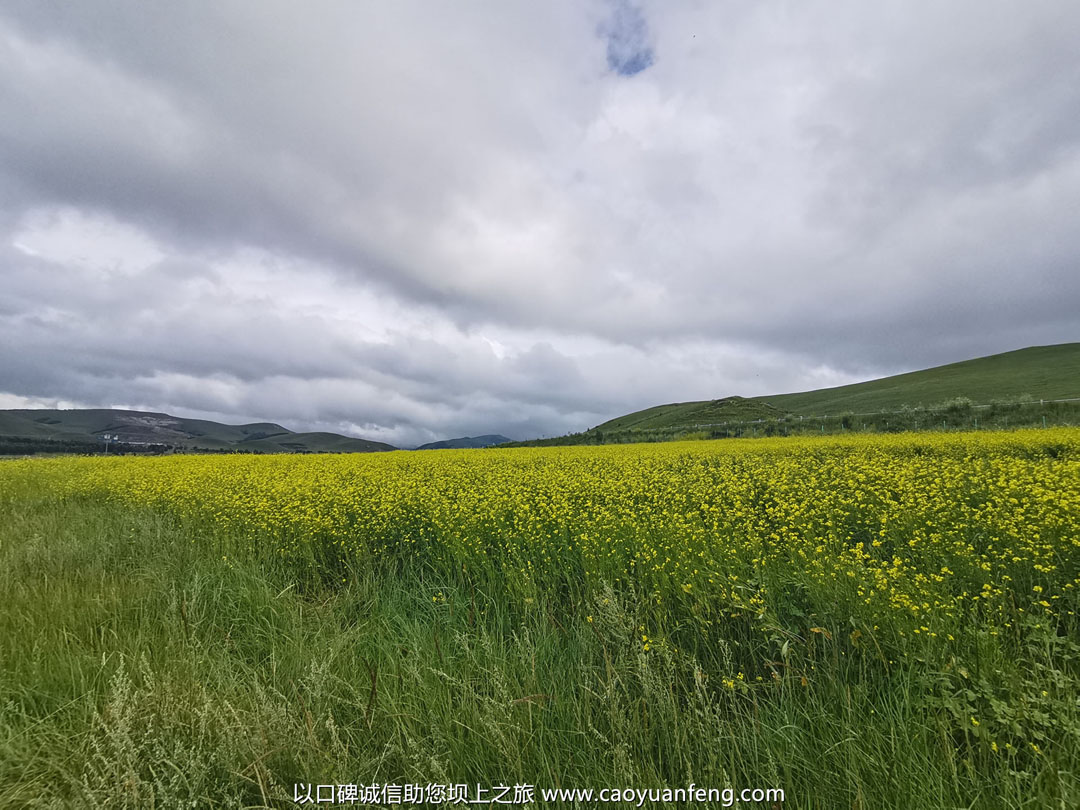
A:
{"x":425,"y":221}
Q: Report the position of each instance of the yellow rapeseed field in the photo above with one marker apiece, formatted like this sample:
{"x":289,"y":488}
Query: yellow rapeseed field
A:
{"x":908,"y":535}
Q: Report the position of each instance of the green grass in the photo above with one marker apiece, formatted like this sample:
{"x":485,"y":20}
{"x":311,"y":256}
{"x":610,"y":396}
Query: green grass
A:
{"x":138,"y":668}
{"x":692,"y":413}
{"x":1041,"y":372}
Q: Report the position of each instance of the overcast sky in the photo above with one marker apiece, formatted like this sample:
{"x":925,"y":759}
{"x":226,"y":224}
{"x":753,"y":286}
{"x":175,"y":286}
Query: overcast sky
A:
{"x":410,"y":221}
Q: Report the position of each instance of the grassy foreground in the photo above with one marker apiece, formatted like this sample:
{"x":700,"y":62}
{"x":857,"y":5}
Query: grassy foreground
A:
{"x":867,"y":623}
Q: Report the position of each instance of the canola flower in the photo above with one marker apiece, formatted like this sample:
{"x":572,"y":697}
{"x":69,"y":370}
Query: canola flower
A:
{"x":910,"y":535}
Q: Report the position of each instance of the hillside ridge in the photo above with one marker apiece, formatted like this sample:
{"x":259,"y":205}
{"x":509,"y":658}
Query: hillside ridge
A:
{"x":84,"y":429}
{"x":466,"y":442}
{"x":1042,"y":372}
{"x":1034,"y":386}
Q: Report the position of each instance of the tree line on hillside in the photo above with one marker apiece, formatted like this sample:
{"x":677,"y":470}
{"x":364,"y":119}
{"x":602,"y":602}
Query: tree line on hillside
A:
{"x":29,"y":446}
{"x":33,"y":446}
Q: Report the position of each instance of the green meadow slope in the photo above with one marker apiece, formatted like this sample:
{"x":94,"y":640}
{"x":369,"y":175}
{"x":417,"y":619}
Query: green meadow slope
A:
{"x":1041,"y":372}
{"x":466,"y":442}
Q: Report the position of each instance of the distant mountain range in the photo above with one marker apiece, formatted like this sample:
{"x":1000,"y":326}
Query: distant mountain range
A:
{"x":83,"y":430}
{"x":465,"y":442}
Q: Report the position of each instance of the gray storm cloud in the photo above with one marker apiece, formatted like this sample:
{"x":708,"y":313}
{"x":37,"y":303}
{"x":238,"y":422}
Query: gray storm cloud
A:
{"x":433,"y":220}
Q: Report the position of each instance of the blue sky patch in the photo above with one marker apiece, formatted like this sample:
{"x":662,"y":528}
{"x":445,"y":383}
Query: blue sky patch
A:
{"x":627,"y":33}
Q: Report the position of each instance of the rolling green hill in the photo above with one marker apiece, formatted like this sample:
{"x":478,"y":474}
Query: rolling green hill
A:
{"x":1041,"y":372}
{"x":466,"y":442}
{"x":690,"y":413}
{"x":135,"y":429}
{"x":315,"y":443}
{"x":999,"y":391}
